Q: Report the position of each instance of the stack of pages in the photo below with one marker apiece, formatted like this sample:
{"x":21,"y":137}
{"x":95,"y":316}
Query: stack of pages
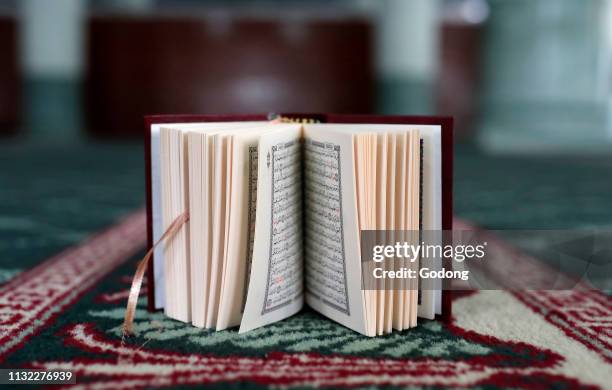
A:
{"x":276,"y":211}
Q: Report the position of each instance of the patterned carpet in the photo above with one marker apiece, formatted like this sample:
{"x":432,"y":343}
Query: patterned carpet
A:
{"x":62,"y":294}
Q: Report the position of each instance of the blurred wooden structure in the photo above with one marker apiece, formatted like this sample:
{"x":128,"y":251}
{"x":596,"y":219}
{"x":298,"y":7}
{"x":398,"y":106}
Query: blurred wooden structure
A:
{"x":213,"y":65}
{"x":457,"y":86}
{"x":10,"y":79}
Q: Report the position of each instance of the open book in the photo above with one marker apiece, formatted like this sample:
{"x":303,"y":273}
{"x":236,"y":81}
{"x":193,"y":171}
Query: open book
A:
{"x":276,"y":210}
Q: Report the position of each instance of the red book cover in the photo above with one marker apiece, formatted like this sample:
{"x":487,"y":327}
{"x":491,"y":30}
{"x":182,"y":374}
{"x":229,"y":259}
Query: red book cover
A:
{"x":446,"y":124}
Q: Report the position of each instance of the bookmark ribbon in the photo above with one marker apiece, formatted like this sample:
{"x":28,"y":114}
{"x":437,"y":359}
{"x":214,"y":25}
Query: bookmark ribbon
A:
{"x":130,"y":311}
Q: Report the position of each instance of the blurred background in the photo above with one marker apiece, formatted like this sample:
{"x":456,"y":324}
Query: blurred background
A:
{"x":529,"y":83}
{"x":517,"y":75}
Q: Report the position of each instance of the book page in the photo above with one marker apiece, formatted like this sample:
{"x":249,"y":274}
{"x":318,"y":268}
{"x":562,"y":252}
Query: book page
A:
{"x":157,"y":219}
{"x":413,"y":193}
{"x":241,"y":229}
{"x":432,"y":214}
{"x":362,"y":157}
{"x":390,"y":225}
{"x":199,"y":225}
{"x":383,"y":312}
{"x":332,"y":255}
{"x":275,"y":288}
{"x":175,"y":198}
{"x":253,"y":165}
{"x":219,"y":175}
{"x":400,"y":224}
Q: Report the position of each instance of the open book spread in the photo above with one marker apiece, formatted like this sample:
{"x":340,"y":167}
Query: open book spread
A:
{"x":276,"y":211}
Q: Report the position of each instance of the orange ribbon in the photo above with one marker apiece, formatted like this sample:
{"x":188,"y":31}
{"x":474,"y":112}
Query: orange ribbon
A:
{"x":130,"y":311}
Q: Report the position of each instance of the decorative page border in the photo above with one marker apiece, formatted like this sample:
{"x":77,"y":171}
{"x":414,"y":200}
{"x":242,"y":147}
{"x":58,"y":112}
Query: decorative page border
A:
{"x":265,"y":310}
{"x":345,"y":310}
{"x":253,"y":154}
